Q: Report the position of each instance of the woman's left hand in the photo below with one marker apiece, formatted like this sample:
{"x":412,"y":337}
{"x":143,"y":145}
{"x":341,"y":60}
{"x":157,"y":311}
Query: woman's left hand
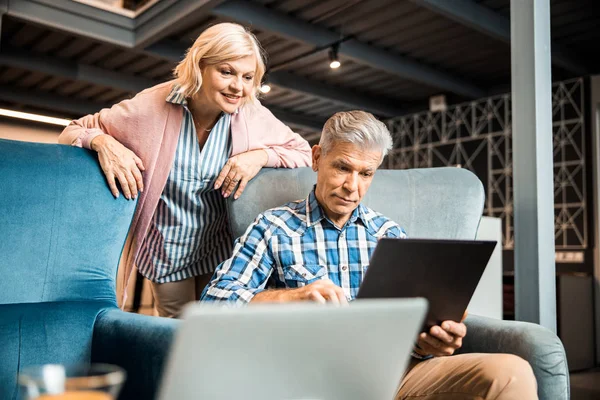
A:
{"x":240,"y":170}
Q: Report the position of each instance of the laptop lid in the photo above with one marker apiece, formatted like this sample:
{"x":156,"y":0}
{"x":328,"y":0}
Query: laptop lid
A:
{"x":445,"y":272}
{"x":293,"y":351}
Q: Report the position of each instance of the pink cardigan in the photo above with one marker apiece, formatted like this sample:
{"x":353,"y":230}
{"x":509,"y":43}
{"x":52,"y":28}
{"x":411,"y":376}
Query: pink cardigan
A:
{"x":149,"y":126}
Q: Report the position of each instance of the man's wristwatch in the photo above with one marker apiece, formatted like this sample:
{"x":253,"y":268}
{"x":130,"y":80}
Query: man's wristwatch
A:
{"x":419,"y":357}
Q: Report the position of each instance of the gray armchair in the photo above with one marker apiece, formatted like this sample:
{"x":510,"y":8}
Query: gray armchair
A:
{"x":427,"y":203}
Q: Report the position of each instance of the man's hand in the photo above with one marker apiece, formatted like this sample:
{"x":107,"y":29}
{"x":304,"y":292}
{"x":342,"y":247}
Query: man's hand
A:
{"x":442,"y":340}
{"x":321,"y":291}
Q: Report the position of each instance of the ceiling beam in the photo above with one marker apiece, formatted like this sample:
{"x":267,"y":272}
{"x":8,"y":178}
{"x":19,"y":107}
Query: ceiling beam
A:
{"x":71,"y":70}
{"x":173,"y":51}
{"x":95,"y":23}
{"x":154,"y":26}
{"x":76,"y":18}
{"x":50,"y":101}
{"x":490,"y":23}
{"x":339,"y":95}
{"x":264,"y":18}
{"x":299,"y":120}
{"x":167,"y":49}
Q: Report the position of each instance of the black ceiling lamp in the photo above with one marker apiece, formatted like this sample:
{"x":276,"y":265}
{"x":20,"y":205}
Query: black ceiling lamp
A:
{"x":334,"y":61}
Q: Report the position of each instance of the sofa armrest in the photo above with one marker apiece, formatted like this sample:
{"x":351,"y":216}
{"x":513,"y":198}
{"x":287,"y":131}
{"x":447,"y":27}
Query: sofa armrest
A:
{"x":137,"y":343}
{"x":534,"y":343}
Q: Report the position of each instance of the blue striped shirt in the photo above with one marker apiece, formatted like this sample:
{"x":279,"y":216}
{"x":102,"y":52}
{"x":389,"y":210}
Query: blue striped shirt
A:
{"x":189,"y":234}
{"x":296,"y":244}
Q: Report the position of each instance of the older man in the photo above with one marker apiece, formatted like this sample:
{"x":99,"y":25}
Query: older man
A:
{"x":318,"y":249}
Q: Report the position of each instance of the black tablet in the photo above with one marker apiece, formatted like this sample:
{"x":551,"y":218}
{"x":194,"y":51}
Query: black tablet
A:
{"x":445,"y":272}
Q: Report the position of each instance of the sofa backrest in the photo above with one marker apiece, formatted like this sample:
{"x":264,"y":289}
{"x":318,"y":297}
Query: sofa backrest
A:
{"x":61,"y":230}
{"x":428,"y":203}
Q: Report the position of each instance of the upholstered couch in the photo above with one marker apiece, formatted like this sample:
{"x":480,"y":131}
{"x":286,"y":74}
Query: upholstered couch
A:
{"x":61,"y":234}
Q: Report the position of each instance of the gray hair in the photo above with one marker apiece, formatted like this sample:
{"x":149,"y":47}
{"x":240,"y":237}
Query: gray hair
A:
{"x":359,"y":128}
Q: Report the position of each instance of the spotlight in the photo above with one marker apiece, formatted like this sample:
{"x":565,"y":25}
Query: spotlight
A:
{"x":333,"y":57}
{"x":265,"y":88}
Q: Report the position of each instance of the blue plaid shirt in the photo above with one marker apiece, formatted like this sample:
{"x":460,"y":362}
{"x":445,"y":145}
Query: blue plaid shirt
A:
{"x":296,"y":244}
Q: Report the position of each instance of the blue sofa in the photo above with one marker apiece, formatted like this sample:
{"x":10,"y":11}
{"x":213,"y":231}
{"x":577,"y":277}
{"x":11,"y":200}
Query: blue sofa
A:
{"x":62,"y":234}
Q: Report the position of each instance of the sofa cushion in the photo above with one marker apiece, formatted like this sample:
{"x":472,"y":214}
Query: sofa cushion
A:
{"x":42,"y":333}
{"x":137,"y":343}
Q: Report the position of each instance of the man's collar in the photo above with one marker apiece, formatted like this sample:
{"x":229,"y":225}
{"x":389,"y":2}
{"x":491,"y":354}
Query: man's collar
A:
{"x":315,"y":213}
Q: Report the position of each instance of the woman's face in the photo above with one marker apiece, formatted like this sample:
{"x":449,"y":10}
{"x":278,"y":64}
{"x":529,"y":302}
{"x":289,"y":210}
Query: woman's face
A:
{"x":227,"y":84}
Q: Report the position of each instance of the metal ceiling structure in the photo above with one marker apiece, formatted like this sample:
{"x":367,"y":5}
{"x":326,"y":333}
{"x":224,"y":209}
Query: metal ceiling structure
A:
{"x":67,"y":58}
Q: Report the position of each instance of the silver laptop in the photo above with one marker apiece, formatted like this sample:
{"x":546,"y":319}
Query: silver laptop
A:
{"x":293,"y":351}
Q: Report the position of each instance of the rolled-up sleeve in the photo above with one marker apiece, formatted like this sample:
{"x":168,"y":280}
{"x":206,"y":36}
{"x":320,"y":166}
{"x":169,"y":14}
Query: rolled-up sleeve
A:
{"x":245,"y":274}
{"x":396,"y":232}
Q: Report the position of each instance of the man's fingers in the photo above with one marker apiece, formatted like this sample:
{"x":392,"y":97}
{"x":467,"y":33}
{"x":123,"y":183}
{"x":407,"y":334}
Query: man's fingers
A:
{"x":455,"y":328}
{"x":441,"y":334}
{"x":341,"y":295}
{"x":316,"y":296}
{"x":222,"y":175}
{"x":425,"y":349}
{"x":331,"y":295}
{"x":436,"y":347}
{"x":427,"y":339}
{"x":457,"y":344}
{"x":332,"y":292}
{"x":433,"y":342}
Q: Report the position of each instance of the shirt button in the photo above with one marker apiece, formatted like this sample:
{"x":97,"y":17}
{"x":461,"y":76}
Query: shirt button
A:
{"x":304,"y":274}
{"x":344,"y":267}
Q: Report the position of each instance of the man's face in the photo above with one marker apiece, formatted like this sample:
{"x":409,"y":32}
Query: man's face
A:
{"x":344,"y":175}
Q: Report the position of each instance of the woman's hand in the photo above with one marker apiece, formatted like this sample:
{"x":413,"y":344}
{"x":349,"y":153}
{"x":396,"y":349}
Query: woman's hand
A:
{"x":118,"y":162}
{"x":240,"y":169}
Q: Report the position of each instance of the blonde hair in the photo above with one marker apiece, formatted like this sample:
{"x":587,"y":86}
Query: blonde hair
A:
{"x":359,"y":128}
{"x":219,"y":43}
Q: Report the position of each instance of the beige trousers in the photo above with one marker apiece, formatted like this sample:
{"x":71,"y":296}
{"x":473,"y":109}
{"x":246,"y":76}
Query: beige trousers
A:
{"x":469,"y":377}
{"x":169,"y":298}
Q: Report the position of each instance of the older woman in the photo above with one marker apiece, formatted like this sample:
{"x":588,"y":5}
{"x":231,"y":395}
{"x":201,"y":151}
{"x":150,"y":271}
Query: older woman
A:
{"x":185,"y":145}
